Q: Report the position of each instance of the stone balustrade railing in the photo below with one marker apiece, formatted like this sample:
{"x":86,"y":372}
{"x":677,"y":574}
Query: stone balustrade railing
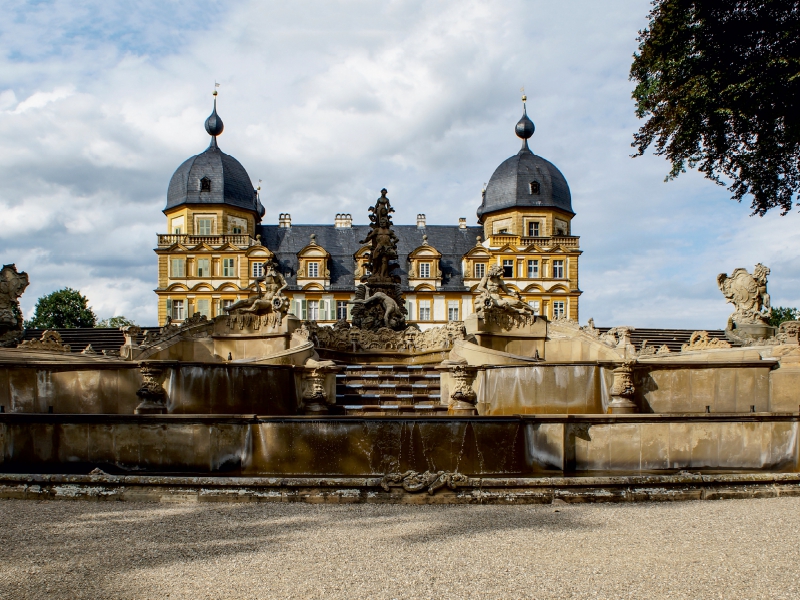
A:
{"x":567,"y":241}
{"x":236,"y":239}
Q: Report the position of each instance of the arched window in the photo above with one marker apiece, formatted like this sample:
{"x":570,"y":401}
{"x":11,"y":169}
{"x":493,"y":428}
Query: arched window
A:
{"x":205,"y":184}
{"x":534,"y":187}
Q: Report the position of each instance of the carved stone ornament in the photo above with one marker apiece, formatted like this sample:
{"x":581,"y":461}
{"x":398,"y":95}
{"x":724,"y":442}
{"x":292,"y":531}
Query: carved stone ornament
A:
{"x":491,"y":305}
{"x":344,"y":338}
{"x":170,"y":330}
{"x":413,"y":482}
{"x":49,"y":342}
{"x":313,"y":394}
{"x":700,"y":340}
{"x":748,"y":294}
{"x":789,"y":332}
{"x":152,"y":394}
{"x":622,"y":390}
{"x":271,"y":302}
{"x":12,"y":285}
{"x":463,"y":398}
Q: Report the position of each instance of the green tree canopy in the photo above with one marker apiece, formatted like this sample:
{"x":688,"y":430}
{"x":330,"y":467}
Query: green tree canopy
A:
{"x":719,"y":86}
{"x":115,"y":322}
{"x":783,"y":313}
{"x":65,"y":308}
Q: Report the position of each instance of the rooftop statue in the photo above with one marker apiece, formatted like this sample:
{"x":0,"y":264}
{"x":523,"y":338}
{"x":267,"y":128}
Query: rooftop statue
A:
{"x":489,"y":297}
{"x":269,"y":302}
{"x":12,"y":285}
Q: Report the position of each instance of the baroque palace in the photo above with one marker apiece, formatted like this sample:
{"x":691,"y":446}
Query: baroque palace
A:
{"x":218,"y":245}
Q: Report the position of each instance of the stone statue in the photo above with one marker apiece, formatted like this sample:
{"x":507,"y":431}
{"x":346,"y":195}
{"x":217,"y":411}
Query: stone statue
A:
{"x":382,"y":239}
{"x":12,"y":285}
{"x":392,"y":315}
{"x":379,"y":302}
{"x":748,"y":294}
{"x":271,"y":301}
{"x":489,"y":295}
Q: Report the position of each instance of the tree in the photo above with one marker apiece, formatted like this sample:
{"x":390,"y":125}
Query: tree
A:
{"x":719,"y":86}
{"x":115,"y":322}
{"x":783,"y":313}
{"x":65,"y":308}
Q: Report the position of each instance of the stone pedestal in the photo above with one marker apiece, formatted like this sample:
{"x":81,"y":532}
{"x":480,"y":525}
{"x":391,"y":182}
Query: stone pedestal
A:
{"x":462,"y":399}
{"x":523,"y":335}
{"x":751,"y":331}
{"x":622,"y":391}
{"x":152,"y":392}
{"x":251,"y":336}
{"x":317,"y":387}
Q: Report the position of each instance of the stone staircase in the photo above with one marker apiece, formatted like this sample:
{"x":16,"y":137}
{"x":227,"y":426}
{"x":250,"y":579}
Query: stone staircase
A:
{"x":389,"y":390}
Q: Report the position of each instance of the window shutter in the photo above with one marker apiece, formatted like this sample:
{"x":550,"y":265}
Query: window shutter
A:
{"x":304,"y":309}
{"x":169,"y":307}
{"x":408,"y":309}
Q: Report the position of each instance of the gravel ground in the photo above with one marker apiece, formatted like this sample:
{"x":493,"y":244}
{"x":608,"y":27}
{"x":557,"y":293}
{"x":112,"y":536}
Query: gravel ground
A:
{"x":723,"y":549}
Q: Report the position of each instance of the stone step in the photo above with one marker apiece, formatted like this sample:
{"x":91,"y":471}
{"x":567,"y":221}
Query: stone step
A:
{"x":393,"y":409}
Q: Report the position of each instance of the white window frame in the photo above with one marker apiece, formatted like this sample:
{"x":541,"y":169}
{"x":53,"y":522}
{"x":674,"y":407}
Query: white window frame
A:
{"x":480,"y":270}
{"x":533,"y":269}
{"x":201,"y":221}
{"x":508,"y":262}
{"x":312,"y":309}
{"x":313,"y":269}
{"x":341,"y":310}
{"x":558,"y":269}
{"x":537,"y":229}
{"x":257,"y":269}
{"x":559,"y":309}
{"x":535,"y":305}
{"x":198,"y":267}
{"x":424,"y":310}
{"x":452,"y":310}
{"x":228,"y":267}
{"x":173,"y":271}
{"x":177,"y":310}
{"x":424,"y":270}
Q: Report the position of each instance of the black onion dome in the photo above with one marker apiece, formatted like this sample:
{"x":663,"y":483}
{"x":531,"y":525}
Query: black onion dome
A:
{"x":213,"y":177}
{"x":511,"y":184}
{"x":214,"y":125}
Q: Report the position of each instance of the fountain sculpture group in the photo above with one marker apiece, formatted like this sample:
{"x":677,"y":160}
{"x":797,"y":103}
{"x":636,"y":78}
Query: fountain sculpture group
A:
{"x":483,"y":409}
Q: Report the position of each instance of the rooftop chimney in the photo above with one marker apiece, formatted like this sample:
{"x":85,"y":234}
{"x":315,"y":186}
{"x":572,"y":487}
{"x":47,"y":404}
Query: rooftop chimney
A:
{"x":343,"y":220}
{"x":284,"y":220}
{"x":462,"y":223}
{"x":420,"y":221}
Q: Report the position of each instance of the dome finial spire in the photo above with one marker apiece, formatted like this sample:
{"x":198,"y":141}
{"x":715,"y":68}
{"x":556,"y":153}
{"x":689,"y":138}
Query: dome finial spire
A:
{"x":525,"y":126}
{"x":214,"y":124}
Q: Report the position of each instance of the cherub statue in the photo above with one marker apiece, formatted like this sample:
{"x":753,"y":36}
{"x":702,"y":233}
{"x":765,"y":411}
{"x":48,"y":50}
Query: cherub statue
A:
{"x":489,"y":295}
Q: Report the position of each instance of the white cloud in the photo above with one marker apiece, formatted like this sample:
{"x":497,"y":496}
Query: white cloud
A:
{"x":327,"y":102}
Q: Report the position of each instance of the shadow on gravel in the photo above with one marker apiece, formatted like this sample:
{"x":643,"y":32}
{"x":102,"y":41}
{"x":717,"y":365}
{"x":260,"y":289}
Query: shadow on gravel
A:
{"x":63,"y":546}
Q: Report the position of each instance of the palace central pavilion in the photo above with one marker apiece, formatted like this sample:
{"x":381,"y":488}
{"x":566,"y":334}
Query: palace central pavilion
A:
{"x":218,"y":243}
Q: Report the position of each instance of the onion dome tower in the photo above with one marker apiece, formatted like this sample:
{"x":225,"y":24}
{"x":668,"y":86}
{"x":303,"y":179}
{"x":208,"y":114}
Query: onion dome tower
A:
{"x":526,"y":181}
{"x":213,"y":177}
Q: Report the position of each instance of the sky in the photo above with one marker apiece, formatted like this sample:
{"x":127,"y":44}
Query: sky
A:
{"x":326,"y":102}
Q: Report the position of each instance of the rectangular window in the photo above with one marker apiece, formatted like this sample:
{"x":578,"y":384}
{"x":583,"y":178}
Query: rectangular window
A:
{"x":178,"y":267}
{"x":480,"y":269}
{"x":258,"y":269}
{"x":558,"y":269}
{"x":558,"y":310}
{"x":177,"y":310}
{"x":203,"y":267}
{"x":508,"y":268}
{"x":341,"y":310}
{"x":424,"y":310}
{"x":237,"y":230}
{"x":424,"y":270}
{"x":533,"y":229}
{"x":203,"y":226}
{"x":533,"y":269}
{"x":204,"y":307}
{"x":177,"y":230}
{"x":313,"y":269}
{"x":534,"y":304}
{"x":452,"y":310}
{"x":313,"y":310}
{"x":228,"y":267}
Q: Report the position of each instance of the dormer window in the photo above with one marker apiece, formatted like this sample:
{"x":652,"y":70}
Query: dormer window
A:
{"x":534,"y":188}
{"x":205,"y":184}
{"x":313,"y":269}
{"x":425,"y":270}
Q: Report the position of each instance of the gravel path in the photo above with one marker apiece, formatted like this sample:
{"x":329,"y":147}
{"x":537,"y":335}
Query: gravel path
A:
{"x":724,"y":549}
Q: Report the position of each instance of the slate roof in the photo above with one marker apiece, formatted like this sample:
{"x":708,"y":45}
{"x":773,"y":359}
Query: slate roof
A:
{"x":509,"y":185}
{"x":342,"y":243}
{"x":230,"y":183}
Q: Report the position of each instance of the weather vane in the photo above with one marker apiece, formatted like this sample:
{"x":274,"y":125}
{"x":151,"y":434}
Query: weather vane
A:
{"x":216,"y":85}
{"x":524,"y":97}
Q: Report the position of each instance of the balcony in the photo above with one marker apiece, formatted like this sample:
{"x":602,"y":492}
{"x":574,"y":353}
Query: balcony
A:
{"x":241,"y":240}
{"x":503,"y":239}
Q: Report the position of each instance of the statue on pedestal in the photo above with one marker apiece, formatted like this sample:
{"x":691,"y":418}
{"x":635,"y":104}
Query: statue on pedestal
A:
{"x":748,"y":294}
{"x":489,"y":296}
{"x":12,"y":284}
{"x":379,"y":302}
{"x":269,"y":302}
